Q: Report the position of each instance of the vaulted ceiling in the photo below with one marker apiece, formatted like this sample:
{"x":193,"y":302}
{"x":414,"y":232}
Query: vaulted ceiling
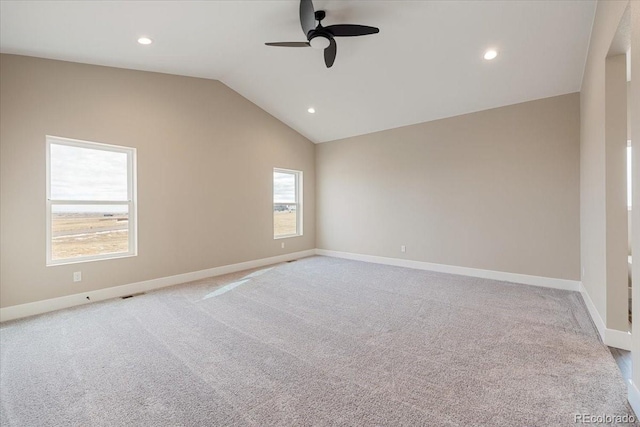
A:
{"x":426,"y":63}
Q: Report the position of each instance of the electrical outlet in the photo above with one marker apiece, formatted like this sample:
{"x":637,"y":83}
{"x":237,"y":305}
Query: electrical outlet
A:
{"x":403,"y":248}
{"x":282,"y":243}
{"x":77,"y":276}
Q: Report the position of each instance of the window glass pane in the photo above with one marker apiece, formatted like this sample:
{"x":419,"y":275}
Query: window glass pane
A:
{"x":88,"y":230}
{"x":285,"y":220}
{"x":87,"y":174}
{"x":629,"y":179}
{"x":284,"y":187}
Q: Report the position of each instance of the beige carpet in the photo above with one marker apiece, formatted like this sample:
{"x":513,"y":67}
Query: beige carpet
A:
{"x":320,"y":341}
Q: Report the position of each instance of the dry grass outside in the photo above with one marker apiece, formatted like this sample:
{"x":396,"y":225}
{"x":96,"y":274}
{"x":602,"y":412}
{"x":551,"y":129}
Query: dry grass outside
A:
{"x":75,"y":235}
{"x":78,"y":235}
{"x":284,"y":223}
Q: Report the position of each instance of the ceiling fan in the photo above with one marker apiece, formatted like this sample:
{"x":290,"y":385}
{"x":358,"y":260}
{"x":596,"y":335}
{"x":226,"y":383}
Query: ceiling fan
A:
{"x":319,"y":37}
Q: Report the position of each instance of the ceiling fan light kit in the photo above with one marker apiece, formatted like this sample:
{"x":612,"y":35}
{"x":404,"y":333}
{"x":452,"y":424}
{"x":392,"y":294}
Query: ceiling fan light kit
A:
{"x":319,"y":42}
{"x":319,"y":37}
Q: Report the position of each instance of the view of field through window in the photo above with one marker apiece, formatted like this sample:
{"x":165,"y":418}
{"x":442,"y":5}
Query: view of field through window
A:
{"x":81,"y":233}
{"x":89,"y":200}
{"x":285,"y":222}
{"x":285,"y":203}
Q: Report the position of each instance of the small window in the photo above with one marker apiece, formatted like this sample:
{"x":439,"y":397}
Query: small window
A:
{"x":91,"y":209}
{"x":287,"y":203}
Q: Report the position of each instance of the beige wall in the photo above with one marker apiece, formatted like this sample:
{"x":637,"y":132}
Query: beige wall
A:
{"x":496,"y":190}
{"x":616,"y":192}
{"x":205,"y":162}
{"x":593,"y":218}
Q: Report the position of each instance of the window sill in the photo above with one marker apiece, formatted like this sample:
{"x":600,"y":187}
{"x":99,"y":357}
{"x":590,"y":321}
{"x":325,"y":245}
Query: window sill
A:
{"x":288,"y":236}
{"x":90,"y":259}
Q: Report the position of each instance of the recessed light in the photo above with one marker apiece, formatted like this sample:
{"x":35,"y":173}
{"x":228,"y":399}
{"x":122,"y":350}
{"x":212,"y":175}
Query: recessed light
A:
{"x":145,"y":40}
{"x":490,"y":54}
{"x":311,"y":110}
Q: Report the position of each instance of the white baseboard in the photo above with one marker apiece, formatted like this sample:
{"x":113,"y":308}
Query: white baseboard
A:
{"x":611,"y":337}
{"x":547,"y":282}
{"x":39,"y":307}
{"x":617,"y":339}
{"x":633,"y":396}
{"x":595,"y":316}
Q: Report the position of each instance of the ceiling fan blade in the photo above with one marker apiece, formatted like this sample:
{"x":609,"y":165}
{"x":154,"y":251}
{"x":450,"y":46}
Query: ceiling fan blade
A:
{"x":289,"y":44}
{"x":330,"y":53}
{"x":307,"y":16}
{"x":349,"y":30}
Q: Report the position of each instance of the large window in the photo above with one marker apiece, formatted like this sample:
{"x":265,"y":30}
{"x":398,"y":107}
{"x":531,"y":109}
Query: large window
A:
{"x":91,"y":209}
{"x":287,"y":203}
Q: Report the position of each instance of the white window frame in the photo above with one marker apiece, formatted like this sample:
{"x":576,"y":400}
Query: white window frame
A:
{"x":131,"y":201}
{"x":299,"y":193}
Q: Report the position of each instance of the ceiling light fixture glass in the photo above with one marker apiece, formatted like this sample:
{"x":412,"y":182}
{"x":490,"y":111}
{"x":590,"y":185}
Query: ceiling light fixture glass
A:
{"x":490,"y":54}
{"x":319,"y":42}
{"x":145,"y":40}
{"x":311,"y":110}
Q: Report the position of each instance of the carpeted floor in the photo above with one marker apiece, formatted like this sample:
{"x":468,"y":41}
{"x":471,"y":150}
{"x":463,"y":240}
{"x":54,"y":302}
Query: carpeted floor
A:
{"x":320,"y":341}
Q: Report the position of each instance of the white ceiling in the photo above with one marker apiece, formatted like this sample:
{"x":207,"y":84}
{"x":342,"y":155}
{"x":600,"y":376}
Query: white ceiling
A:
{"x":425,"y":64}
